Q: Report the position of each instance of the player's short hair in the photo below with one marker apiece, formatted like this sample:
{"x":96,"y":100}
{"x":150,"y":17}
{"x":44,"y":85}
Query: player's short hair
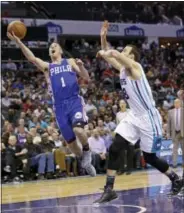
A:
{"x":56,"y":43}
{"x":135,"y":52}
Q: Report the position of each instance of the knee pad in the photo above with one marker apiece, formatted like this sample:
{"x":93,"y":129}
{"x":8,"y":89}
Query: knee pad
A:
{"x":149,"y":157}
{"x":79,"y":124}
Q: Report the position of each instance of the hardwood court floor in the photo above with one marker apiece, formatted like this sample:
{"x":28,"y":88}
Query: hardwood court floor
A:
{"x":76,"y":195}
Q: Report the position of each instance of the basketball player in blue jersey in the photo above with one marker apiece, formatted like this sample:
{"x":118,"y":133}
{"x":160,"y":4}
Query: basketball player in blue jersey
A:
{"x":68,"y":105}
{"x":144,"y":121}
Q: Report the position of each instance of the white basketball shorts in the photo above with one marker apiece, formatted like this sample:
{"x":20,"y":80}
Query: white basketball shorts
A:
{"x":146,"y":127}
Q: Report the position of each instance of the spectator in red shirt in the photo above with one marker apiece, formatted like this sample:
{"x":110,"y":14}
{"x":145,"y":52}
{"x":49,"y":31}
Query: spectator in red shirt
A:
{"x":106,"y":96}
{"x":27,"y":105}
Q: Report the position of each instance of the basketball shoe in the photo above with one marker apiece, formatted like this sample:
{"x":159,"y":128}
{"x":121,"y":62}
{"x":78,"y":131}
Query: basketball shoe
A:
{"x":181,"y":193}
{"x":176,"y":187}
{"x":108,"y":195}
{"x":86,"y":163}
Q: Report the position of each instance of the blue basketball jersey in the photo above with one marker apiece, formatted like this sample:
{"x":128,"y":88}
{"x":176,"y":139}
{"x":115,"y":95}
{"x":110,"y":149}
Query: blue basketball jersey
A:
{"x":63,"y":81}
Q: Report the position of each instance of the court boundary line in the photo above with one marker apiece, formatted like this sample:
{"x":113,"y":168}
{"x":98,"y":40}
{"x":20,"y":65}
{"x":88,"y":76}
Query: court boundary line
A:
{"x":141,"y":208}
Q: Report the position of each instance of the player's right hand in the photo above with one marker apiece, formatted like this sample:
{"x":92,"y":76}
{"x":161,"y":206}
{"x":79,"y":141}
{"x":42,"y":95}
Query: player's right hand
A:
{"x":104,"y":29}
{"x":13,"y":37}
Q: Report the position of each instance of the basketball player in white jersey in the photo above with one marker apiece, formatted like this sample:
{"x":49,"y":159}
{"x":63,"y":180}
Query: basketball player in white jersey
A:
{"x":143,"y":123}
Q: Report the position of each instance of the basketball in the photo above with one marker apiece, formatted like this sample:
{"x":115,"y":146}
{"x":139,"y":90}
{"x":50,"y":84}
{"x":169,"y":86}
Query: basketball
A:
{"x":18,"y":28}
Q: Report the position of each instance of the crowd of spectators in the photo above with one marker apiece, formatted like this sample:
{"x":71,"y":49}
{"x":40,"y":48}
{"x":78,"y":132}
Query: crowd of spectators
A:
{"x":125,"y":12}
{"x":32,"y":146}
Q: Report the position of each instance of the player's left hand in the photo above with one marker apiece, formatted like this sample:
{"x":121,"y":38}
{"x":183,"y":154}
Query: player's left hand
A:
{"x":100,"y":53}
{"x":79,"y":62}
{"x":111,"y":53}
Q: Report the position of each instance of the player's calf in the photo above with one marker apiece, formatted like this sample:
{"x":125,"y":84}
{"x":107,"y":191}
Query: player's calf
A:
{"x":75,"y":148}
{"x":113,"y":165}
{"x":86,"y":155}
{"x":82,"y":136}
{"x":163,"y":167}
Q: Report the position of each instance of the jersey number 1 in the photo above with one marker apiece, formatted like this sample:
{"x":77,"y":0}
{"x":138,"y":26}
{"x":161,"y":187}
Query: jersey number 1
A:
{"x":63,"y":82}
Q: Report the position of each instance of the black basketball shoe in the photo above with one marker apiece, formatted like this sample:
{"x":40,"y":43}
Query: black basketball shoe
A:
{"x":181,"y":192}
{"x":176,"y":187}
{"x":107,"y":196}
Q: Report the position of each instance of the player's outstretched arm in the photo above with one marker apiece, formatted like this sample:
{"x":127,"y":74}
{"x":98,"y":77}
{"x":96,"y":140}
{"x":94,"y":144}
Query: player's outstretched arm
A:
{"x":133,"y":67}
{"x":78,"y":66}
{"x":40,"y":64}
{"x":109,"y":60}
{"x":103,"y":36}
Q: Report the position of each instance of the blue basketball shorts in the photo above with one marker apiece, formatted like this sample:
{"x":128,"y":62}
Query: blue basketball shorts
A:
{"x":69,"y":113}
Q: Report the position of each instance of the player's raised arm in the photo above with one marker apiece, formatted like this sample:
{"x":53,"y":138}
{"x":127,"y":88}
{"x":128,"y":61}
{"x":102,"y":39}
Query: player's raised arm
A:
{"x":40,"y":64}
{"x":131,"y":65}
{"x":105,"y":47}
{"x":103,"y":36}
{"x":78,"y":66}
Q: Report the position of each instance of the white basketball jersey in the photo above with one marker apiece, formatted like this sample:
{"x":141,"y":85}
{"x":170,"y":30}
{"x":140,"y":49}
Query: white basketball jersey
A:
{"x":137,"y":93}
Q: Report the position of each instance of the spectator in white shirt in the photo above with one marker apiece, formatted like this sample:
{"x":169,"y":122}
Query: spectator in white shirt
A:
{"x":114,"y":109}
{"x":11,"y":65}
{"x":158,"y":82}
{"x":101,"y":126}
{"x":3,"y":88}
{"x":57,"y":142}
{"x":167,"y":104}
{"x":6,"y":102}
{"x":38,"y":111}
{"x":109,"y":123}
{"x":123,"y":111}
{"x":98,"y":148}
{"x":89,"y":106}
{"x":145,"y":45}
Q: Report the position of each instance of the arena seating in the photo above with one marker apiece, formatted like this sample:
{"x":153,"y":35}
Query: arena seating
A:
{"x":135,"y":12}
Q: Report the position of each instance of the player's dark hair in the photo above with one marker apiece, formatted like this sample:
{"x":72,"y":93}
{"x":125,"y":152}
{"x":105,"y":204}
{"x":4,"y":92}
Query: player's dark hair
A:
{"x":135,"y":52}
